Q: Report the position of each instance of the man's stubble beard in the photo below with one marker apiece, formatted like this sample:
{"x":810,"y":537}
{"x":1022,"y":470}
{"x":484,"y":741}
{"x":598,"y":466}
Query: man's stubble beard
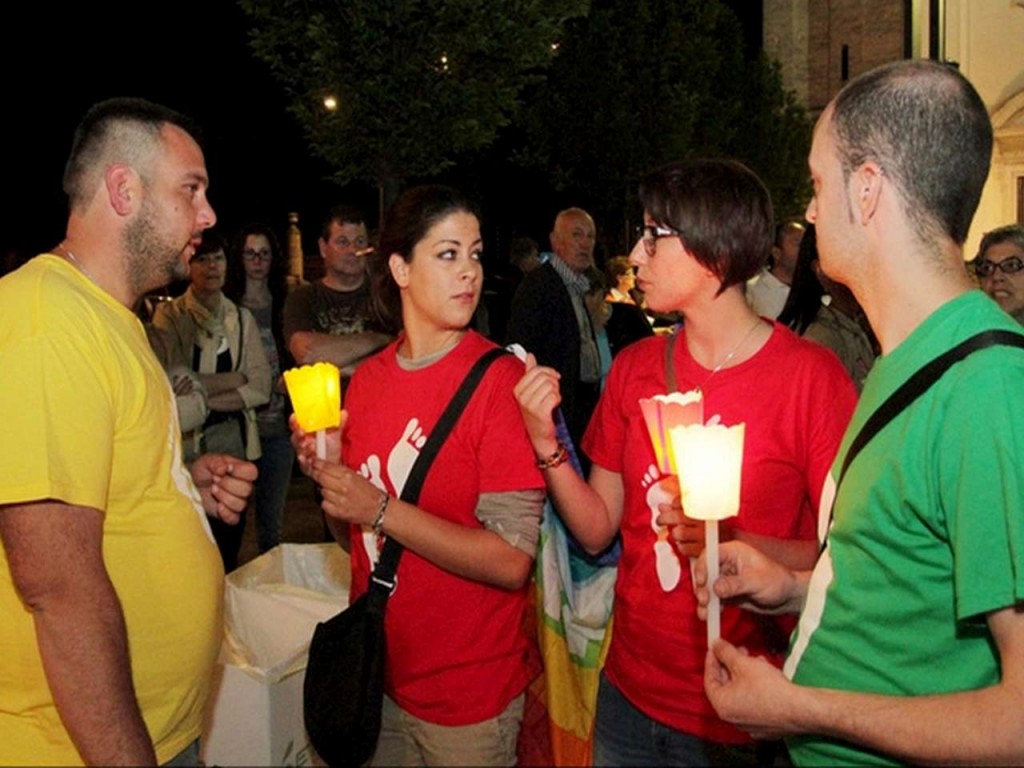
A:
{"x":150,"y":261}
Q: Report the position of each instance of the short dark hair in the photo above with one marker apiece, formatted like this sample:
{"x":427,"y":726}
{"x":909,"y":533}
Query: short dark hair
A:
{"x":1011,"y":233}
{"x":343,"y":214}
{"x":722,"y":210}
{"x":212,"y":242}
{"x":407,"y":222}
{"x":117,"y":129}
{"x":928,"y":129}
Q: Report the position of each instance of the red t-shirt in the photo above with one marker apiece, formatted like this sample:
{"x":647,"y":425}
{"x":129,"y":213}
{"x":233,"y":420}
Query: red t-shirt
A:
{"x":795,"y":398}
{"x":457,"y":652}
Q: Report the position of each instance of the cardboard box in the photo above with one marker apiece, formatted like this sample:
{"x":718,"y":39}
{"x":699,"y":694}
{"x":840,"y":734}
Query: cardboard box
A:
{"x":272,"y":605}
{"x":253,"y":722}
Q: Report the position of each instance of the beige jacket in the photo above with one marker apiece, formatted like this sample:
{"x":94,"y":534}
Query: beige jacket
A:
{"x":185,"y":324}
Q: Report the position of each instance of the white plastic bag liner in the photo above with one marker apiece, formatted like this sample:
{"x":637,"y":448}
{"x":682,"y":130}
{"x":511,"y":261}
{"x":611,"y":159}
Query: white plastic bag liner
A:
{"x":273,"y":603}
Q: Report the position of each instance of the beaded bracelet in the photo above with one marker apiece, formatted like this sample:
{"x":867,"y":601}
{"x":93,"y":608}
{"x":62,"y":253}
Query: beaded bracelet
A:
{"x":556,"y":459}
{"x":382,"y":507}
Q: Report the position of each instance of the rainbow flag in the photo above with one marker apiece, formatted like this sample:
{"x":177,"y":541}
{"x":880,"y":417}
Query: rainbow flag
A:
{"x":574,"y":609}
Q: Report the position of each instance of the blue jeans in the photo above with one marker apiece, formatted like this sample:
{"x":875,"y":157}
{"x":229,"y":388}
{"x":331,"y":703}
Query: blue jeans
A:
{"x":271,"y":490}
{"x":625,"y":736}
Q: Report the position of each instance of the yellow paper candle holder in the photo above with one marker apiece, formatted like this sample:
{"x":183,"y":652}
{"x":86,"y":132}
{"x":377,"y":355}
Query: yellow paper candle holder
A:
{"x":315,"y":392}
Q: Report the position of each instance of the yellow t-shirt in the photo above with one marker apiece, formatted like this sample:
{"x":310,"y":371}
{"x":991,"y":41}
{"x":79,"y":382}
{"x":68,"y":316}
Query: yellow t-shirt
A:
{"x":88,"y":418}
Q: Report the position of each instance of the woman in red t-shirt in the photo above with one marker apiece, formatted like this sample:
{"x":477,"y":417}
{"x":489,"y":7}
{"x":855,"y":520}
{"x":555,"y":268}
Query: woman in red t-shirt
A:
{"x":458,"y":659}
{"x":707,"y":229}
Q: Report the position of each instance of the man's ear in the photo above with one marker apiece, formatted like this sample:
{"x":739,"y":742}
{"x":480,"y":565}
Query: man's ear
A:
{"x":124,"y":188}
{"x":868,"y":180}
{"x":322,"y":246}
{"x":399,"y":269}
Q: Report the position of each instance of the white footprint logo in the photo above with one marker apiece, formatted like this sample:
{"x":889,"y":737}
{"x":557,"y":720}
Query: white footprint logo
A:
{"x":371,"y":470}
{"x":404,"y":454}
{"x":400,"y":461}
{"x":665,"y":558}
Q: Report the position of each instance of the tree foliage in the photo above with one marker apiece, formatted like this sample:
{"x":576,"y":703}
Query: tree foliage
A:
{"x":638,"y":83}
{"x":417,"y":82}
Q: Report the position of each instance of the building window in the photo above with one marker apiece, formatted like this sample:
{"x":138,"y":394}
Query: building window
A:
{"x":1020,"y":196}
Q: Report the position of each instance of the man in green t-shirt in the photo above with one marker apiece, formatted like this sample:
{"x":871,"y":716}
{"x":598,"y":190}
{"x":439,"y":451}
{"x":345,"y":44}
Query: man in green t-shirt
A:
{"x":910,"y":646}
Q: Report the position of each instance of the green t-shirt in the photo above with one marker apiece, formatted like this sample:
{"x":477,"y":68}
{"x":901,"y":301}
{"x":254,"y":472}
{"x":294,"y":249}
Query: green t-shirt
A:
{"x":928,"y":534}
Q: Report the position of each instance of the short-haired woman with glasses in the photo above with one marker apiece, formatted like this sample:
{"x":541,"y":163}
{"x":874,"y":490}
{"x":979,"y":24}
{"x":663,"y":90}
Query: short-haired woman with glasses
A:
{"x":999,"y":266}
{"x":708,"y":228}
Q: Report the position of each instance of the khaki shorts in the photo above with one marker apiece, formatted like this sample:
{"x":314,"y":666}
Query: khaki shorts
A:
{"x":408,"y":741}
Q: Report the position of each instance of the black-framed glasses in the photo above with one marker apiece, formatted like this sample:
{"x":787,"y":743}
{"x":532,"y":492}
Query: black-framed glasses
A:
{"x":1008,"y":266}
{"x":650,"y":234}
{"x":263,"y":254}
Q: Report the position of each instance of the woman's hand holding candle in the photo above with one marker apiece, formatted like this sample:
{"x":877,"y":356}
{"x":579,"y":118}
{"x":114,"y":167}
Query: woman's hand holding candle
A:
{"x":305,"y":443}
{"x":347,"y":495}
{"x":687,"y":534}
{"x":315,"y":392}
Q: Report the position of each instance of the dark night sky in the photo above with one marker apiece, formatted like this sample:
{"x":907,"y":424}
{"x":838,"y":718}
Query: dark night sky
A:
{"x":191,"y":55}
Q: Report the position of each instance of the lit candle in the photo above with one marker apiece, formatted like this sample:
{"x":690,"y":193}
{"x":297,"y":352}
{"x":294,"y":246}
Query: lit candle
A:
{"x":707,"y":461}
{"x":662,"y":412}
{"x":315,"y":392}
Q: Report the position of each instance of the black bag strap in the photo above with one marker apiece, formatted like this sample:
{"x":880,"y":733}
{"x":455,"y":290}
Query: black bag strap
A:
{"x":382,"y":579}
{"x":920,"y":382}
{"x":670,"y":365}
{"x":914,"y":387}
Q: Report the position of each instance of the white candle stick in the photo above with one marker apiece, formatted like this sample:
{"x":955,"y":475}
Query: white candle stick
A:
{"x":321,"y":444}
{"x":708,"y":460}
{"x":711,"y":552}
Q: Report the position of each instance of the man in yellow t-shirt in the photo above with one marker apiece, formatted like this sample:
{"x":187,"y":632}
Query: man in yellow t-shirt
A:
{"x":110,"y":584}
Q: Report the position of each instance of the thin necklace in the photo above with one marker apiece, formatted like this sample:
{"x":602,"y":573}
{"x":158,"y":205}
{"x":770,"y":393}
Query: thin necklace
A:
{"x":730,"y":356}
{"x":78,"y":265}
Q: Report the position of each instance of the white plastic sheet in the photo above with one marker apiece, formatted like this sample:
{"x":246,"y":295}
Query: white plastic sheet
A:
{"x":273,"y":603}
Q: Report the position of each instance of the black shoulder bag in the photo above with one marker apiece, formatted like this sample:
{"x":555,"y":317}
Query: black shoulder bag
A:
{"x":917,"y":385}
{"x":344,"y":688}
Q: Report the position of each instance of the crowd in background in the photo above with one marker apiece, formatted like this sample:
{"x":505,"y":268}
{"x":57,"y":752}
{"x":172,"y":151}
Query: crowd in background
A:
{"x":798,"y":329}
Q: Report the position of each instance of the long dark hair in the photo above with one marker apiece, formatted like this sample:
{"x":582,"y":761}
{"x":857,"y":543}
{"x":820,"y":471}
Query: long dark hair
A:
{"x":234,"y":287}
{"x":805,"y":292}
{"x":406,"y":223}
